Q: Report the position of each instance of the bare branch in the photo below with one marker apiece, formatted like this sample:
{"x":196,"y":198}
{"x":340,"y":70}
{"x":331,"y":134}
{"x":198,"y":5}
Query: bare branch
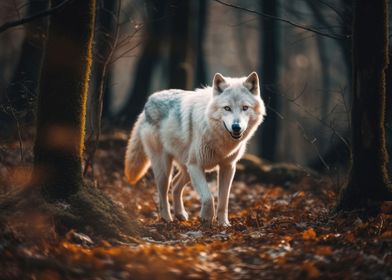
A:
{"x":45,"y":13}
{"x":303,"y":27}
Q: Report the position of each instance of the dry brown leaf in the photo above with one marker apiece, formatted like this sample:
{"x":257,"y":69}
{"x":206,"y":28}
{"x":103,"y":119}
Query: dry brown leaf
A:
{"x":311,"y":270}
{"x":309,"y":234}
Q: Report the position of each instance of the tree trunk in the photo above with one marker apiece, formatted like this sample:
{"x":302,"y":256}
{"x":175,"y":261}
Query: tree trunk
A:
{"x":388,"y":113}
{"x":108,"y":12}
{"x":180,"y":70}
{"x":105,"y":38}
{"x":155,"y":37}
{"x":269,"y":77}
{"x":368,"y":181}
{"x":57,"y":192}
{"x":201,"y":75}
{"x":59,"y":142}
{"x":22,"y":91}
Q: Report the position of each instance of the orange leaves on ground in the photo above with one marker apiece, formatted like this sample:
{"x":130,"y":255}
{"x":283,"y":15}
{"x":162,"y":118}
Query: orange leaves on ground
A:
{"x":278,"y":232}
{"x":324,"y":250}
{"x":310,"y":269}
{"x":309,"y":234}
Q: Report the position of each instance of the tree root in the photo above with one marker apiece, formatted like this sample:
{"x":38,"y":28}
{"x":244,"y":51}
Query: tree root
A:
{"x":88,"y":211}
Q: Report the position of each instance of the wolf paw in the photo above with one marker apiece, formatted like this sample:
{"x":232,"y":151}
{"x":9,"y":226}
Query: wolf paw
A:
{"x":207,"y":213}
{"x":182,"y":216}
{"x":224,"y":223}
{"x":166,"y":218}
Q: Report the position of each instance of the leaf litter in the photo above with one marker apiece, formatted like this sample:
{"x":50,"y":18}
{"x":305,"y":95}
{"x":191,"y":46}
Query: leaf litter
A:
{"x":279,"y":231}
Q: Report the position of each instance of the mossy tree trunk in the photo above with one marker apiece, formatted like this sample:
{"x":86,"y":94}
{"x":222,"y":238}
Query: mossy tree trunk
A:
{"x":61,"y":109}
{"x":106,"y":32}
{"x":57,"y":192}
{"x":368,"y":180}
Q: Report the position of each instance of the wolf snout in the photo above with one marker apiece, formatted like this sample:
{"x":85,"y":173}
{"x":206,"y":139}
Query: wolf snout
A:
{"x":236,"y":128}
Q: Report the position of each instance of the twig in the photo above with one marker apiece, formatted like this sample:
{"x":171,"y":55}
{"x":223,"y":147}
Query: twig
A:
{"x":16,"y":9}
{"x":320,"y":120}
{"x":45,"y":13}
{"x":19,"y":134}
{"x":312,"y":142}
{"x":12,"y":112}
{"x":333,"y":36}
{"x":332,"y":8}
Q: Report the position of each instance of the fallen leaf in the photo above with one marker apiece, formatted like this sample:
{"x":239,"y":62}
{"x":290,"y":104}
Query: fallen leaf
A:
{"x":309,"y":234}
{"x":311,"y":270}
{"x":324,"y":250}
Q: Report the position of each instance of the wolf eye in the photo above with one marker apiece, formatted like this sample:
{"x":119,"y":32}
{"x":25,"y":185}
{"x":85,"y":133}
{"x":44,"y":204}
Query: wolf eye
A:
{"x":227,"y":108}
{"x":245,"y":108}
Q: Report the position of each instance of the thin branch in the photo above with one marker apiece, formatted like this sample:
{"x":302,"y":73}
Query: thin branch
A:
{"x":313,"y":143}
{"x":339,"y":13}
{"x":45,"y":13}
{"x":307,"y":28}
{"x":307,"y":111}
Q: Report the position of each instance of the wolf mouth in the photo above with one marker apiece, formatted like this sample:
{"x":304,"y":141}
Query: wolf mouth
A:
{"x":236,"y":136}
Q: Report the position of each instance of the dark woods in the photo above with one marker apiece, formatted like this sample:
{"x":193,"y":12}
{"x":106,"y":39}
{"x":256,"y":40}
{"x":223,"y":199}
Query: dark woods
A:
{"x":313,"y":202}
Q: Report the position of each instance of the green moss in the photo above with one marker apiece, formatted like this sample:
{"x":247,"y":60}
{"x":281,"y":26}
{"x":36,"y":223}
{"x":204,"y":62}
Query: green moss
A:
{"x":88,"y":211}
{"x":61,"y":111}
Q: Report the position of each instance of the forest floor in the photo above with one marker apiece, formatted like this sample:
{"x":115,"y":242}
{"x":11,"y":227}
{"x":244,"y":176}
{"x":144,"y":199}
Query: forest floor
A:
{"x":279,"y":231}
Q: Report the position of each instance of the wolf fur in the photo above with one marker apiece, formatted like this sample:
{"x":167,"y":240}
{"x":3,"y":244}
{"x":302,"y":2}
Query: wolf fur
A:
{"x":198,"y":131}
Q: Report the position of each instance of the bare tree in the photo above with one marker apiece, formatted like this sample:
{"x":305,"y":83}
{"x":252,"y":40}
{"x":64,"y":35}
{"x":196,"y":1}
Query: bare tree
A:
{"x":180,"y":68}
{"x":155,"y":38}
{"x":269,"y":75}
{"x":368,"y":180}
{"x":57,"y":188}
{"x":22,"y":91}
{"x":106,"y":34}
{"x":200,"y":75}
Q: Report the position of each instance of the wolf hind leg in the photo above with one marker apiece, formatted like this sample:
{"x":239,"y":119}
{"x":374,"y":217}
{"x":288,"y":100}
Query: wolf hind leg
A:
{"x":179,"y":182}
{"x":162,"y":167}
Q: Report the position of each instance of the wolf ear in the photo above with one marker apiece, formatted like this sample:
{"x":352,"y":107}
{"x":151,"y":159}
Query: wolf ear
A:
{"x":252,"y":83}
{"x":218,"y":84}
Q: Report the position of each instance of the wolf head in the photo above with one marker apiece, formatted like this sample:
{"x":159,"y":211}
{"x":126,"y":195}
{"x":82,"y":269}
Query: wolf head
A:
{"x":236,"y":107}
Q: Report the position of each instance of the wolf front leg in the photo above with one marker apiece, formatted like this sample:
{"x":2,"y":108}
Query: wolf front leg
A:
{"x":226,"y":175}
{"x":179,"y":182}
{"x":198,"y":180}
{"x":161,"y":167}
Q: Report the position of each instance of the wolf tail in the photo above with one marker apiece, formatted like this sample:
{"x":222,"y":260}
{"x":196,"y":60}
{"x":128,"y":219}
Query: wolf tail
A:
{"x":136,"y":160}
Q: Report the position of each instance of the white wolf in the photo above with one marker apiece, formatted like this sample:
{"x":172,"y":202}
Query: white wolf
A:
{"x":198,"y":131}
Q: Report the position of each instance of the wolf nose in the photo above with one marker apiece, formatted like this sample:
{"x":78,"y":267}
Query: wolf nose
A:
{"x":236,"y":127}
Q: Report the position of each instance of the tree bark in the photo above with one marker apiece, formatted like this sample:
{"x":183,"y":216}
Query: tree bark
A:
{"x":57,"y":192}
{"x":269,"y":77}
{"x":59,"y":142}
{"x":388,"y":113}
{"x":180,"y":70}
{"x":108,"y":12}
{"x":368,"y":179}
{"x":201,"y":75}
{"x":105,"y":38}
